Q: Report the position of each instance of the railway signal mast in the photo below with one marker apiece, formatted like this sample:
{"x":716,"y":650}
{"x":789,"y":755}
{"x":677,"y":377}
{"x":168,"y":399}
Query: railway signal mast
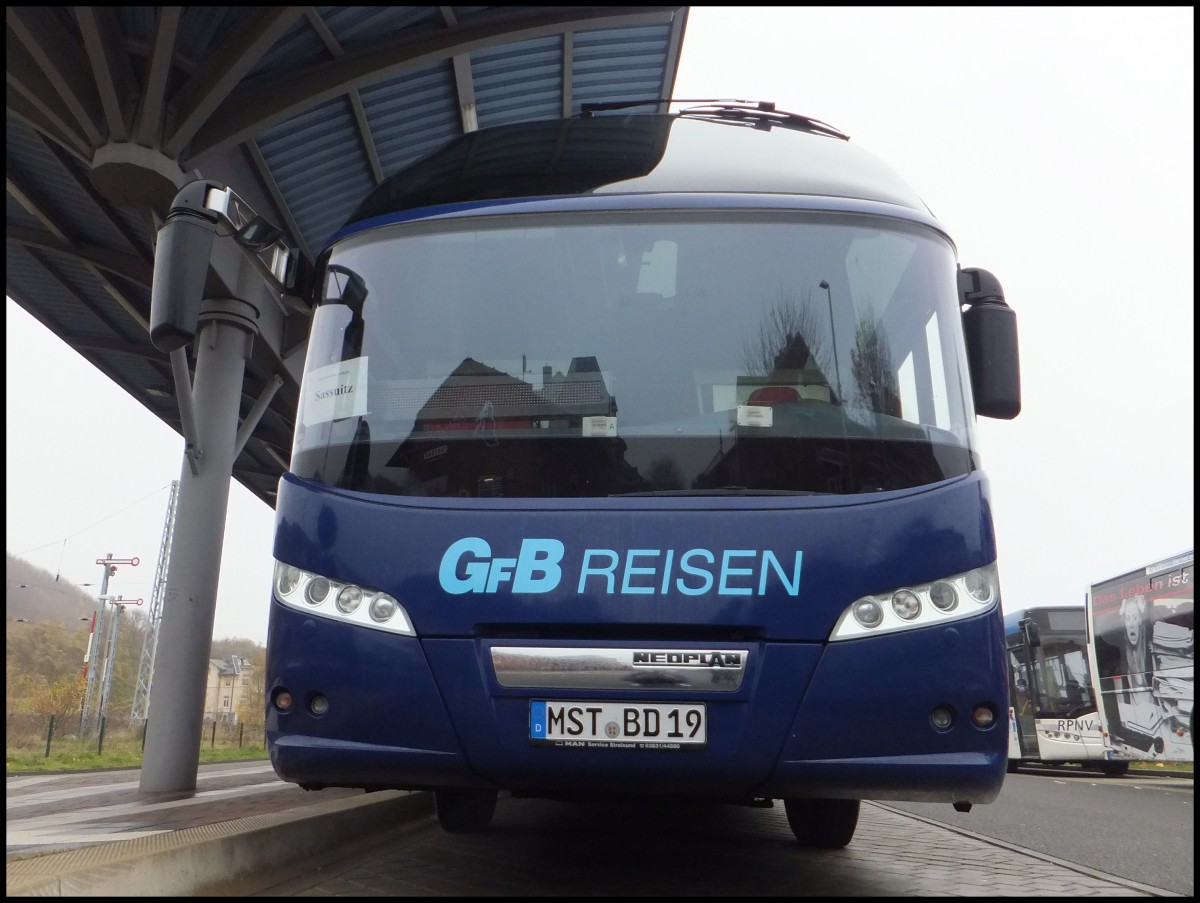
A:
{"x":96,"y":645}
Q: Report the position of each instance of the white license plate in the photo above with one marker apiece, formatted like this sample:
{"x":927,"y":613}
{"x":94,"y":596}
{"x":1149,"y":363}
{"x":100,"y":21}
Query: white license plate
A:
{"x":648,"y":725}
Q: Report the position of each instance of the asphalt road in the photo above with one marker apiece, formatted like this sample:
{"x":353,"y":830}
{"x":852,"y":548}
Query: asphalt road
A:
{"x":1138,"y":827}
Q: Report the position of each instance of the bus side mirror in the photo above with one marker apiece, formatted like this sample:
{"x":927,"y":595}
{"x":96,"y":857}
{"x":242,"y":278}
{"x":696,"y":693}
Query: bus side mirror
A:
{"x":990,"y":330}
{"x":1033,"y":633}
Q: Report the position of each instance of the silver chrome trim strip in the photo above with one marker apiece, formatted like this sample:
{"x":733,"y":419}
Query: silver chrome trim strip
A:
{"x":655,"y":668}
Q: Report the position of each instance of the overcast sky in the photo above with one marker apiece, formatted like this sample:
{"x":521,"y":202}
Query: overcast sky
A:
{"x":1056,"y":145}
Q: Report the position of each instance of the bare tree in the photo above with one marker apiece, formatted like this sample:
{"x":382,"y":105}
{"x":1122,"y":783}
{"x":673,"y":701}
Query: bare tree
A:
{"x":871,"y":367}
{"x":793,"y":335}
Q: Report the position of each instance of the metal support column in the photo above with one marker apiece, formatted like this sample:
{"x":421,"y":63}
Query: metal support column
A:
{"x":175,"y":723}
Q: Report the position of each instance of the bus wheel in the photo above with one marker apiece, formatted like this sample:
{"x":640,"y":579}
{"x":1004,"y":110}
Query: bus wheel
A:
{"x":464,"y":811}
{"x":1114,"y":768}
{"x":1012,"y":766}
{"x":826,"y":824}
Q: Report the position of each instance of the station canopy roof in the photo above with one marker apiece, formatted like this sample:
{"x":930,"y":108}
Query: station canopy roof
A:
{"x":301,"y":110}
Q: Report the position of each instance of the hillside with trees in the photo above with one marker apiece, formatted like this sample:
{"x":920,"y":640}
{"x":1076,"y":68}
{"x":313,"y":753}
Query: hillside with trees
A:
{"x":47,"y":631}
{"x":37,"y":595}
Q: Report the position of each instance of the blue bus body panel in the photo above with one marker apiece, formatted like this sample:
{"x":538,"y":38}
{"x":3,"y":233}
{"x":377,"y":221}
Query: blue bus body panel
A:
{"x":808,"y":719}
{"x":848,"y":548}
{"x":891,"y":685}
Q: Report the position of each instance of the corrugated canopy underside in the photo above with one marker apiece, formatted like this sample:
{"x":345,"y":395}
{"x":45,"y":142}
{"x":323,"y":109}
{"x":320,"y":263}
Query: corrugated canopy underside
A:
{"x":301,"y":110}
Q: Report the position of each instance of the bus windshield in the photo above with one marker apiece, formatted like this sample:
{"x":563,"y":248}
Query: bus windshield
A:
{"x":637,"y":352}
{"x":1050,"y":673}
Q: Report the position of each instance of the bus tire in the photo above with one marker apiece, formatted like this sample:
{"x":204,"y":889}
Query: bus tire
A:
{"x":822,"y":824}
{"x":1012,"y":766}
{"x":464,"y":811}
{"x":1114,"y":768}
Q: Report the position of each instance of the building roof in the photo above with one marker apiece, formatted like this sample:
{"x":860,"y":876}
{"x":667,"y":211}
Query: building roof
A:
{"x":228,"y":667}
{"x":301,"y":110}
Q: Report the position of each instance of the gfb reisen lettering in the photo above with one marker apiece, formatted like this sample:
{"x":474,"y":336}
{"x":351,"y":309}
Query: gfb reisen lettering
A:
{"x":470,"y":566}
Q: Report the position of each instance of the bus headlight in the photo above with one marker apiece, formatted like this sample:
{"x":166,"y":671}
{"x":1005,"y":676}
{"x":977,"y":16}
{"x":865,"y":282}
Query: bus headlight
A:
{"x":943,"y":596}
{"x":316,"y":591}
{"x":316,"y":594}
{"x":287,"y":578}
{"x":349,"y":599}
{"x":868,"y":612}
{"x":904,"y":608}
{"x":906,"y":604}
{"x":979,"y":586}
{"x":382,"y":608}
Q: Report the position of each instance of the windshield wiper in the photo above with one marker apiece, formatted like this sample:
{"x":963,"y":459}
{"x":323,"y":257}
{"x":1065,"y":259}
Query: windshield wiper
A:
{"x":759,"y":115}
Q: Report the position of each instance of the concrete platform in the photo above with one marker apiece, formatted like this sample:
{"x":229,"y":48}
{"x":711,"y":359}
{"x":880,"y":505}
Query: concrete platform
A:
{"x":244,"y":832}
{"x":93,"y":834}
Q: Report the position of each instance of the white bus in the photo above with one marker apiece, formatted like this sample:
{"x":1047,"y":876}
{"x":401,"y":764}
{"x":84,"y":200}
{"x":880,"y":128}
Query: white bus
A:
{"x":1052,"y":715}
{"x":1142,"y":649}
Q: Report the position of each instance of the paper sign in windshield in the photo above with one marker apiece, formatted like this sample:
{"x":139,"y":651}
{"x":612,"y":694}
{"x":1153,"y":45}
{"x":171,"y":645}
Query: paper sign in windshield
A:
{"x":335,"y":391}
{"x":604,"y":427}
{"x":755,"y":415}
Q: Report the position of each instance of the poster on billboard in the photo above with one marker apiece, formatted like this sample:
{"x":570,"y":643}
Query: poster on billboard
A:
{"x":1142,"y":635}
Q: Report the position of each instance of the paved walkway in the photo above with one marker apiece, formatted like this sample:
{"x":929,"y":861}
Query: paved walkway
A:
{"x":49,"y":812}
{"x":245,"y":832}
{"x":539,"y":848}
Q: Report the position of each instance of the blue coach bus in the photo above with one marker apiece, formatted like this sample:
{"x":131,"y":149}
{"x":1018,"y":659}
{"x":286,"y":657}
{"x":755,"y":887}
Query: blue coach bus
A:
{"x":636,"y":455}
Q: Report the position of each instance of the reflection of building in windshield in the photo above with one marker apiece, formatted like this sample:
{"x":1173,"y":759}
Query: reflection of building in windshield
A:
{"x":476,"y":397}
{"x":484,"y":432}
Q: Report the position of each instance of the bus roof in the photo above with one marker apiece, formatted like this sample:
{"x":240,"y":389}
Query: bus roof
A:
{"x":635,"y":153}
{"x":1183,"y":559}
{"x":1041,"y":614}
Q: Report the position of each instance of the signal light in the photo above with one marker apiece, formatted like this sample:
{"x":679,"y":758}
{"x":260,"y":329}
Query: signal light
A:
{"x":984,"y":717}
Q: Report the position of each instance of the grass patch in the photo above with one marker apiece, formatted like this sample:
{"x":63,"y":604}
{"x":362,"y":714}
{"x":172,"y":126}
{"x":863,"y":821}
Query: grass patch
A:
{"x":123,"y":750}
{"x":1169,"y":767}
{"x":27,"y":763}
